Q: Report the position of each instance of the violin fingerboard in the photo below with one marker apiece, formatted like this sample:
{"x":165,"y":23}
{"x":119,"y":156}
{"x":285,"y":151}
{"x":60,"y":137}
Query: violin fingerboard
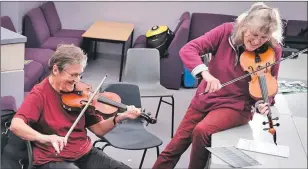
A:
{"x":104,"y":100}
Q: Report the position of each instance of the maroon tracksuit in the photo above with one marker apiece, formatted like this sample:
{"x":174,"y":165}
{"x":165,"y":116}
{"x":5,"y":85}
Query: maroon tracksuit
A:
{"x":210,"y":113}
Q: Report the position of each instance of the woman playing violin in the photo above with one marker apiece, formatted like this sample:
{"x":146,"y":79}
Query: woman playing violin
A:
{"x":222,"y":107}
{"x":42,"y":119}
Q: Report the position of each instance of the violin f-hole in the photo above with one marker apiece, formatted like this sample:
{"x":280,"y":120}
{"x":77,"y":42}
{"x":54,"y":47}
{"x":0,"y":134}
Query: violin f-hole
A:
{"x":251,"y":68}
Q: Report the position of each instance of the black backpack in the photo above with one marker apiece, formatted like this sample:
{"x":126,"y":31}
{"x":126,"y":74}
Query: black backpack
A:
{"x":14,"y":150}
{"x":159,"y":37}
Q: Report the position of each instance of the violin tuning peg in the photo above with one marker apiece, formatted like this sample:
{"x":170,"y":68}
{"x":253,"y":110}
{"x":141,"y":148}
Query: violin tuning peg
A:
{"x":265,"y":129}
{"x":143,"y":110}
{"x":149,"y":114}
{"x":264,"y":123}
{"x":276,"y":118}
{"x":277,"y":125}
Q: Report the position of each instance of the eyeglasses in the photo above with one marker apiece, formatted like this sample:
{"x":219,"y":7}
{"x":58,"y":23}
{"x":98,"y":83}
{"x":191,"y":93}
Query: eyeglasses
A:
{"x":75,"y":75}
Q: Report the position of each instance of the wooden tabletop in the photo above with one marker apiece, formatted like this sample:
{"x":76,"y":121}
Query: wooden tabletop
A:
{"x":109,"y":31}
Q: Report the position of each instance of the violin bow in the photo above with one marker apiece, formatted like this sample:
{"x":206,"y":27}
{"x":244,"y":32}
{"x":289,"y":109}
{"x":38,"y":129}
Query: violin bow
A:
{"x":248,"y":74}
{"x":84,"y":109}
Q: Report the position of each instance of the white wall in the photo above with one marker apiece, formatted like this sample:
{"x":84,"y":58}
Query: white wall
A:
{"x":80,"y":15}
{"x":16,"y":10}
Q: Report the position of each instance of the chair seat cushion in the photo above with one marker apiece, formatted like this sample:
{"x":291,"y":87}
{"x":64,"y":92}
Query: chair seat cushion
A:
{"x":39,"y":55}
{"x":136,"y":137}
{"x":69,"y":33}
{"x":154,"y":90}
{"x":53,"y":42}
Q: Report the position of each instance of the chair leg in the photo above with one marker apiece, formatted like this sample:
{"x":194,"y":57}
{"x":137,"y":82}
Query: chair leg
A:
{"x":159,"y":103}
{"x":141,"y":163}
{"x":157,"y":151}
{"x":172,"y":112}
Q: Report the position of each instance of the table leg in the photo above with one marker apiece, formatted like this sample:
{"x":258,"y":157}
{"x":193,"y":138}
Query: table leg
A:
{"x":132,"y":37}
{"x":122,"y":62}
{"x":95,"y":50}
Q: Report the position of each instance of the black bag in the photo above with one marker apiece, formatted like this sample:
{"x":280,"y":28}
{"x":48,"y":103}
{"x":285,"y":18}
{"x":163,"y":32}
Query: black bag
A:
{"x":159,"y":37}
{"x":6,"y":117}
{"x":14,"y":152}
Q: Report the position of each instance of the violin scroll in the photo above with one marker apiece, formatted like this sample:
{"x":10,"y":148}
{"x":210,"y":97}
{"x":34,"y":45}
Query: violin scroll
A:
{"x":146,"y":117}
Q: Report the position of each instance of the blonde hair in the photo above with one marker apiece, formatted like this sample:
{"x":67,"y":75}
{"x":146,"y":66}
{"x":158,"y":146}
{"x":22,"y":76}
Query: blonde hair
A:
{"x":260,"y":18}
{"x":67,"y":55}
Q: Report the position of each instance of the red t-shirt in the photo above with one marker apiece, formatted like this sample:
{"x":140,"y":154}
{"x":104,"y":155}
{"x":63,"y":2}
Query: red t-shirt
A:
{"x":42,"y":110}
{"x":224,"y":66}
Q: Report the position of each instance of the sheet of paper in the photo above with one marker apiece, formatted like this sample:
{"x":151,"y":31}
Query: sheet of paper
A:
{"x":233,"y":156}
{"x":263,"y":147}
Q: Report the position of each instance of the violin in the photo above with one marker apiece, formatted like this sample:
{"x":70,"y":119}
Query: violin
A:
{"x":105,"y":103}
{"x":262,"y":85}
{"x":76,"y":100}
{"x":114,"y":101}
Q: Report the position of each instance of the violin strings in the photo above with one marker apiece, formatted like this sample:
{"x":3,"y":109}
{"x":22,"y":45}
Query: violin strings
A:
{"x":264,"y":90}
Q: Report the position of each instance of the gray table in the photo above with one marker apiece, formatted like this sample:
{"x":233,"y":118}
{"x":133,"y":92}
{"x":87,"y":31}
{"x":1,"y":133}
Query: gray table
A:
{"x":301,"y":126}
{"x":286,"y":135}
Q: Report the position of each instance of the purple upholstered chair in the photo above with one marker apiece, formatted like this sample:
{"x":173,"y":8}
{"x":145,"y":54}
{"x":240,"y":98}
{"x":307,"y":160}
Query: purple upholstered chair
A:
{"x":7,"y":23}
{"x":204,"y":22}
{"x":33,"y":71}
{"x":39,"y":55}
{"x":293,"y":31}
{"x":171,"y":68}
{"x":54,"y":23}
{"x":7,"y":103}
{"x":38,"y":35}
{"x":38,"y":68}
{"x":294,"y":27}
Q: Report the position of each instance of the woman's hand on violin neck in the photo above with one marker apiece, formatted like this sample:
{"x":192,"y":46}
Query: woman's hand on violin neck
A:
{"x":213,"y":84}
{"x":263,"y":108}
{"x":56,"y":141}
{"x":131,"y":113}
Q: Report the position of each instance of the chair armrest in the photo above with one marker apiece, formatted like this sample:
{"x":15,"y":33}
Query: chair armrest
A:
{"x":30,"y":155}
{"x":140,"y":42}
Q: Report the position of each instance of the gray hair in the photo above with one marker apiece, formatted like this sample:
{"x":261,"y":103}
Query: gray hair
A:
{"x":67,"y":55}
{"x":260,"y":18}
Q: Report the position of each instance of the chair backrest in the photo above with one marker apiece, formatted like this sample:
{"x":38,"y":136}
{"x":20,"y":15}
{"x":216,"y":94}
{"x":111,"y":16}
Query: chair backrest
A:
{"x":204,"y":22}
{"x":35,"y":28}
{"x":52,"y":17}
{"x":129,"y":93}
{"x":7,"y":23}
{"x":294,"y":27}
{"x":142,"y":66}
{"x":184,"y":16}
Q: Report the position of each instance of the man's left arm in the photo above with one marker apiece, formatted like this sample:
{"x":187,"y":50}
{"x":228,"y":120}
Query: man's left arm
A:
{"x":97,"y":125}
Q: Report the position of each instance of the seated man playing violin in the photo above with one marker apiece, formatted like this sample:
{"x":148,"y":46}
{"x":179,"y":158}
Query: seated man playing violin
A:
{"x":42,"y":120}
